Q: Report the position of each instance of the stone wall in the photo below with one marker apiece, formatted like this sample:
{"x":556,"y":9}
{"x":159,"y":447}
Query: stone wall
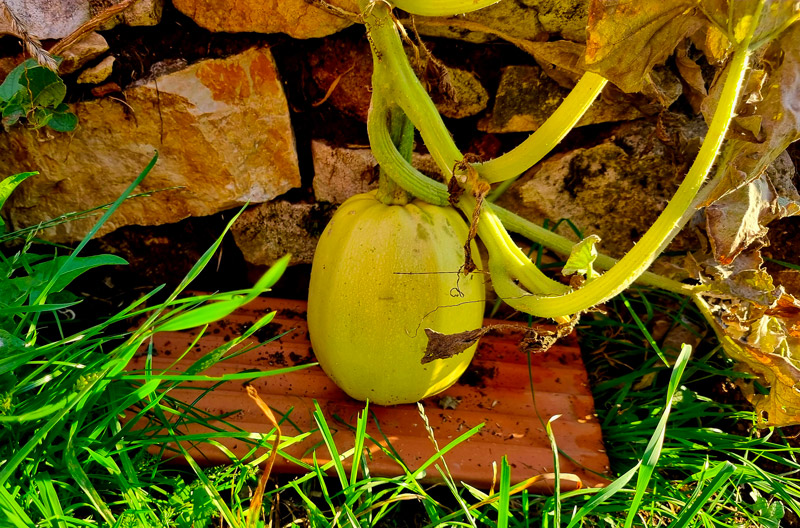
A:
{"x":265,"y":103}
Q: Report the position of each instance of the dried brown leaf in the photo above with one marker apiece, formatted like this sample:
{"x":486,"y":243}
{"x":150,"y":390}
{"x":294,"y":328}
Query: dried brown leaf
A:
{"x":255,"y":506}
{"x":744,"y":279}
{"x":714,"y":44}
{"x":444,"y":346}
{"x":770,"y":349}
{"x":627,"y":38}
{"x":535,"y":339}
{"x":769,"y":118}
{"x":692,"y":76}
{"x":739,"y":218}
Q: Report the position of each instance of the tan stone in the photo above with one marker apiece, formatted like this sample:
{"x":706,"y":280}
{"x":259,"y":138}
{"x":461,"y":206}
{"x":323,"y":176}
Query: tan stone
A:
{"x":86,"y":49}
{"x":470,"y":95}
{"x":270,"y":230}
{"x":221,"y":128}
{"x":296,"y":18}
{"x":340,"y":172}
{"x":97,"y":73}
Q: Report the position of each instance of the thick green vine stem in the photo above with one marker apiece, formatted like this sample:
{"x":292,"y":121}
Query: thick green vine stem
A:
{"x":441,"y":7}
{"x":401,"y":131}
{"x":668,"y":224}
{"x":553,"y":130}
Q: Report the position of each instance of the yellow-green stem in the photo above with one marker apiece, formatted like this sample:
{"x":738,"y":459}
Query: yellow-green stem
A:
{"x":401,"y":131}
{"x":441,"y":7}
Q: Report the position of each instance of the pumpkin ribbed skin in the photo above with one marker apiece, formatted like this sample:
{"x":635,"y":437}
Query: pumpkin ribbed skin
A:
{"x":381,"y":275}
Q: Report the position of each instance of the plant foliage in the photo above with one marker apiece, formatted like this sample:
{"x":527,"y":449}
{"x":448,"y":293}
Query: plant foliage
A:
{"x":36,"y":94}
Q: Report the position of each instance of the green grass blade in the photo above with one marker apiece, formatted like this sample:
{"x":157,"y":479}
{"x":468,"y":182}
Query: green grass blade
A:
{"x":330,"y":444}
{"x":7,"y":186}
{"x":68,"y":261}
{"x":47,"y":492}
{"x":697,"y":503}
{"x":653,"y":450}
{"x":84,"y":482}
{"x":604,"y":495}
{"x":13,"y":511}
{"x":361,"y":433}
{"x":556,"y":471}
{"x":12,"y":464}
{"x":505,"y":495}
{"x":441,"y":452}
{"x":644,"y":330}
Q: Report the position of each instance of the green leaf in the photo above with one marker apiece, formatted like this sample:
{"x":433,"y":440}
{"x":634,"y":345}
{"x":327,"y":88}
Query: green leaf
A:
{"x":44,"y":86}
{"x":12,"y":113}
{"x":216,"y":311}
{"x":63,"y":122}
{"x":40,"y":116}
{"x":8,"y":185}
{"x":582,"y":257}
{"x":68,"y":269}
{"x":12,"y":85}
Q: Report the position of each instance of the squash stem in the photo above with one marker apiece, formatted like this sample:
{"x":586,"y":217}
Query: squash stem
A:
{"x":401,"y":131}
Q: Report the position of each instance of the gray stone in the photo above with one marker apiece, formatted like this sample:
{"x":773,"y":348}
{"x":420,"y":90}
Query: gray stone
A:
{"x":51,"y":19}
{"x":86,"y":49}
{"x":527,"y":19}
{"x":527,"y":96}
{"x":470,"y":95}
{"x":340,"y":172}
{"x":222,"y":130}
{"x":97,"y":73}
{"x":270,"y":230}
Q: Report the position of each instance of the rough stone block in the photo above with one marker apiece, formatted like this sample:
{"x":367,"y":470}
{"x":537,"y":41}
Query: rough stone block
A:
{"x":221,"y":127}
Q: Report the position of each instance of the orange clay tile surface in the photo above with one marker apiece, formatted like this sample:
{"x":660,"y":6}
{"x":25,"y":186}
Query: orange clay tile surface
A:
{"x":494,"y":391}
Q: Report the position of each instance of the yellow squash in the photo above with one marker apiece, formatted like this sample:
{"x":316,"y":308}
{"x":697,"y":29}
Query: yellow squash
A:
{"x":381,"y":275}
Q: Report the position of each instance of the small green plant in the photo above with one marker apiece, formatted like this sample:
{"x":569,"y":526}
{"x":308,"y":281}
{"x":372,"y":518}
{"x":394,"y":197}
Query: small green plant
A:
{"x":36,"y":94}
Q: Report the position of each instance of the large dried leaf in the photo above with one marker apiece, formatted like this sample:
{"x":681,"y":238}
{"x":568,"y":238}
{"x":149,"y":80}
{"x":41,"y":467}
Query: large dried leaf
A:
{"x":692,"y":76}
{"x":626,"y":39}
{"x":714,"y":44}
{"x":770,"y":349}
{"x":534,"y":339}
{"x":742,"y":280}
{"x":768,"y":119}
{"x":738,"y":219}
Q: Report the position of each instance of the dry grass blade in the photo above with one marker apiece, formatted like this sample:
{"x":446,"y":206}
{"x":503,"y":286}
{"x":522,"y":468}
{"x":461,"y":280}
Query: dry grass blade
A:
{"x":255,"y":505}
{"x":92,"y":24}
{"x":333,"y":86}
{"x":32,"y":44}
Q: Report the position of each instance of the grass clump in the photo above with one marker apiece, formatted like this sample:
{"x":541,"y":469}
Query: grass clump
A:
{"x":683,"y":448}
